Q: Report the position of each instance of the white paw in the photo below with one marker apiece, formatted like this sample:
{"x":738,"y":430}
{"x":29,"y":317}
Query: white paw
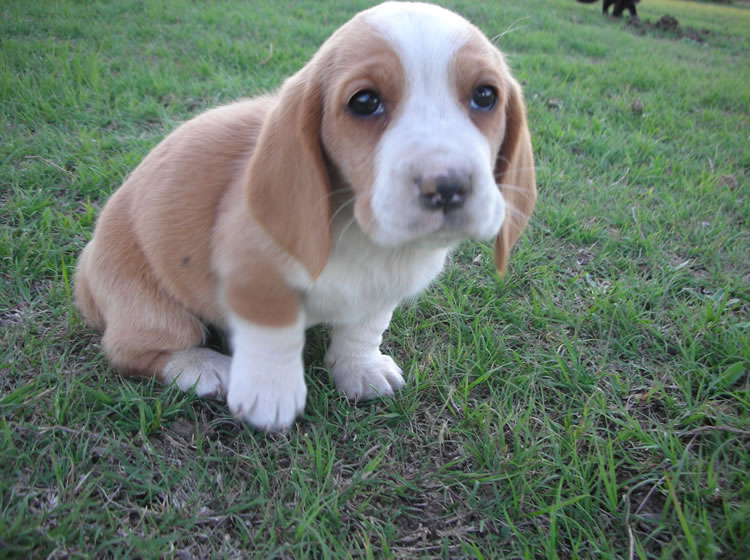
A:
{"x":201,"y":368}
{"x":366,"y":376}
{"x":267,"y":397}
{"x":267,"y":382}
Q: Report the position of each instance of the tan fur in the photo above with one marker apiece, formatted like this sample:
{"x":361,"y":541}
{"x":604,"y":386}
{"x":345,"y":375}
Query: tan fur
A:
{"x":282,"y":159}
{"x":514,"y":166}
{"x":220,"y":212}
{"x":514,"y":172}
{"x":147,"y":277}
{"x":352,"y":144}
{"x":117,"y":291}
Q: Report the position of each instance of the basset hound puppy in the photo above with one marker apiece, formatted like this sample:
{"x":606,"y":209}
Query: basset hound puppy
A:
{"x":329,"y":201}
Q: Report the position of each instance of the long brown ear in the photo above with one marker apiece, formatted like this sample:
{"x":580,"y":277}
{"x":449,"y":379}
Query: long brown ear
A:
{"x":514,"y":173}
{"x":287,"y":184}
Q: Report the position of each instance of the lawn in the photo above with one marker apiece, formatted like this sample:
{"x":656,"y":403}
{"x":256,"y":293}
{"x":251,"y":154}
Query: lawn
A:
{"x":593,"y":403}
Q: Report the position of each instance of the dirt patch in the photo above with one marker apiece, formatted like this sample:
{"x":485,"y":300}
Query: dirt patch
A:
{"x":668,"y":26}
{"x":728,"y":181}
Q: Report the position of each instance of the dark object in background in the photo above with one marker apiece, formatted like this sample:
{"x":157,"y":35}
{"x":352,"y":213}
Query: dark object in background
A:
{"x":620,"y":6}
{"x":667,"y":23}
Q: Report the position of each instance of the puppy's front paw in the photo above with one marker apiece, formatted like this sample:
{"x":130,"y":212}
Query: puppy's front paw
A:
{"x":267,"y":382}
{"x":269,"y":398}
{"x":366,"y":376}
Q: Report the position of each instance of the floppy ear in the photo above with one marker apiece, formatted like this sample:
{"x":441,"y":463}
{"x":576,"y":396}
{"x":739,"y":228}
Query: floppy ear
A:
{"x":287,"y":184}
{"x":514,"y":174}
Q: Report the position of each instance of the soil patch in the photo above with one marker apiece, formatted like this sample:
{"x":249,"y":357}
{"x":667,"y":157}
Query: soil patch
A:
{"x":668,"y":25}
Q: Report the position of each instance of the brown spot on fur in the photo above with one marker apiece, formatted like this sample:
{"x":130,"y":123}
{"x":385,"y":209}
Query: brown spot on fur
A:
{"x":116,"y":290}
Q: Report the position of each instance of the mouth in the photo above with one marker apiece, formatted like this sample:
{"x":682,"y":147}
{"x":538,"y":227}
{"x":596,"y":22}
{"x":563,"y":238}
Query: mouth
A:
{"x":437,"y":230}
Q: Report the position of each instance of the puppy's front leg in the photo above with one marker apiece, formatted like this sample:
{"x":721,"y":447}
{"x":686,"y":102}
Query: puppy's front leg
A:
{"x":266,"y":382}
{"x":267,"y":386}
{"x":358,"y":368}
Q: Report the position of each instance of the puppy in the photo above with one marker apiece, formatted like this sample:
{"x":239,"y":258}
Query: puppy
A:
{"x":327,"y":202}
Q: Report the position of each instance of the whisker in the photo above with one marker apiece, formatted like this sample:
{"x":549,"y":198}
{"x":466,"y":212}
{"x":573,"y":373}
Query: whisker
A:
{"x":518,"y":168}
{"x":349,"y":224}
{"x":516,"y":189}
{"x":515,"y":212}
{"x":331,"y":194}
{"x":510,"y":29}
{"x":334,"y":192}
{"x":367,"y":225}
{"x":340,"y":208}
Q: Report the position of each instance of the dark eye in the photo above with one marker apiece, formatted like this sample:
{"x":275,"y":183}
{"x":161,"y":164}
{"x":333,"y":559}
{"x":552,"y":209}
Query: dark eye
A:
{"x":365,"y":103}
{"x":483,"y":98}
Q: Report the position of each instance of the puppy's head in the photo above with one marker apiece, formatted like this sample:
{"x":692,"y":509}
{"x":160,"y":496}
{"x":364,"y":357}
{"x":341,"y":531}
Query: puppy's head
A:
{"x":411,"y":109}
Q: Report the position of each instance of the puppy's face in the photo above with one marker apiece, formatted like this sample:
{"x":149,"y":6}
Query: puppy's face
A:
{"x":413,"y":120}
{"x":412,"y":111}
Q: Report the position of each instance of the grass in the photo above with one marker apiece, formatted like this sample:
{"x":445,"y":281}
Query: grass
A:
{"x":591,"y":404}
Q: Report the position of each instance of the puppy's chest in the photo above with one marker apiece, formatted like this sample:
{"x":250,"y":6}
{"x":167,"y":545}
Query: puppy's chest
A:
{"x":360,"y":280}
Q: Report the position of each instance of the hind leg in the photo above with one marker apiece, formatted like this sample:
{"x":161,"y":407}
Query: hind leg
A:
{"x":154,"y":336}
{"x":146,"y":332}
{"x":170,"y":354}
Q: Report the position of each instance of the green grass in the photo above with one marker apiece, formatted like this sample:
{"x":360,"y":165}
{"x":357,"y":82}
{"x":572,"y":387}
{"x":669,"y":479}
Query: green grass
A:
{"x":592,"y":404}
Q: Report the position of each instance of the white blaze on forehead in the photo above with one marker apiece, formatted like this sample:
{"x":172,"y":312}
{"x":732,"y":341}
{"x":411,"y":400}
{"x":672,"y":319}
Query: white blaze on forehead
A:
{"x":425,"y":37}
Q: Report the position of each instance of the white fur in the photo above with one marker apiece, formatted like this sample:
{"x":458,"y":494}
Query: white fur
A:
{"x":267,"y":386}
{"x":200,"y":368}
{"x":361,"y":278}
{"x":430,"y":134}
{"x":358,"y":368}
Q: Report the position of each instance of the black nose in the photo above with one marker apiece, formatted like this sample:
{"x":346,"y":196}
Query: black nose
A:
{"x":444,"y":192}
